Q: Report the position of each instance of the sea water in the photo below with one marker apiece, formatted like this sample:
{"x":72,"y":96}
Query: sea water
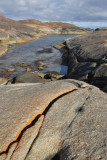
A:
{"x":28,"y":54}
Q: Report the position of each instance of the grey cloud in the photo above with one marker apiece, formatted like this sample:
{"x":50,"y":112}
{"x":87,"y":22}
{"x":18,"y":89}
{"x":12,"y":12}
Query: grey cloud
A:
{"x":55,"y":10}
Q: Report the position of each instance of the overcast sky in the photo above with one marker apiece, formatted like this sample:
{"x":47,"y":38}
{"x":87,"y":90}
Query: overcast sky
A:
{"x":84,"y":12}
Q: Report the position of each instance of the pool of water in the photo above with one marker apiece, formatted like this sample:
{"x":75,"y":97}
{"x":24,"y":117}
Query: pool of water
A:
{"x":28,"y":54}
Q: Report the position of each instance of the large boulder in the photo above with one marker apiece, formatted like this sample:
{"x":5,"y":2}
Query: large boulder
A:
{"x":58,"y":120}
{"x":28,"y":77}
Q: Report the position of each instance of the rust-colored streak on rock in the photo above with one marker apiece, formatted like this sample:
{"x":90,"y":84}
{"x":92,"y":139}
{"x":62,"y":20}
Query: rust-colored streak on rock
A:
{"x":27,"y":139}
{"x":34,"y":119}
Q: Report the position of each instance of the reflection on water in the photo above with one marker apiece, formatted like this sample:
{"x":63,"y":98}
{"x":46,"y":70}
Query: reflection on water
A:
{"x":27,"y":53}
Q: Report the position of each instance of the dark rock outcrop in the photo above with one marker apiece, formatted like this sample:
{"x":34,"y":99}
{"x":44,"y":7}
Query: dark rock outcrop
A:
{"x":101,"y":29}
{"x":57,"y":120}
{"x":87,"y":57}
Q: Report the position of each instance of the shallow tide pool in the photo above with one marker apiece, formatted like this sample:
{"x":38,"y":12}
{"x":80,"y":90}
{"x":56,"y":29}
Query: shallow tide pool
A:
{"x":28,"y":54}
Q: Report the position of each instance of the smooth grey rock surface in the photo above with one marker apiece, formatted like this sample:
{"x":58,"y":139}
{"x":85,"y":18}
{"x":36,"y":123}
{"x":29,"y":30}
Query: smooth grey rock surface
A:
{"x":74,"y":126}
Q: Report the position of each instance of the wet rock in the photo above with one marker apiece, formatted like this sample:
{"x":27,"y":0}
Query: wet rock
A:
{"x":53,"y":76}
{"x":29,"y":69}
{"x":40,"y":65}
{"x":48,"y":76}
{"x":40,"y":68}
{"x":54,"y":125}
{"x":41,"y":75}
{"x":21,"y":65}
{"x":28,"y":78}
{"x":60,"y":45}
{"x":40,"y":50}
{"x":45,"y":50}
{"x":11,"y":70}
{"x":48,"y":50}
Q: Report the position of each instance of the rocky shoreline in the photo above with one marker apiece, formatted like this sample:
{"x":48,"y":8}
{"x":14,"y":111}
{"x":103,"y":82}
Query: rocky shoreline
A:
{"x":46,"y":118}
{"x":86,"y":57}
{"x":13,"y":32}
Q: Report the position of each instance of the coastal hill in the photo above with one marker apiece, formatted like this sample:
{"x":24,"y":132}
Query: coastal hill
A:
{"x":11,"y":29}
{"x":34,"y":23}
{"x":54,"y":27}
